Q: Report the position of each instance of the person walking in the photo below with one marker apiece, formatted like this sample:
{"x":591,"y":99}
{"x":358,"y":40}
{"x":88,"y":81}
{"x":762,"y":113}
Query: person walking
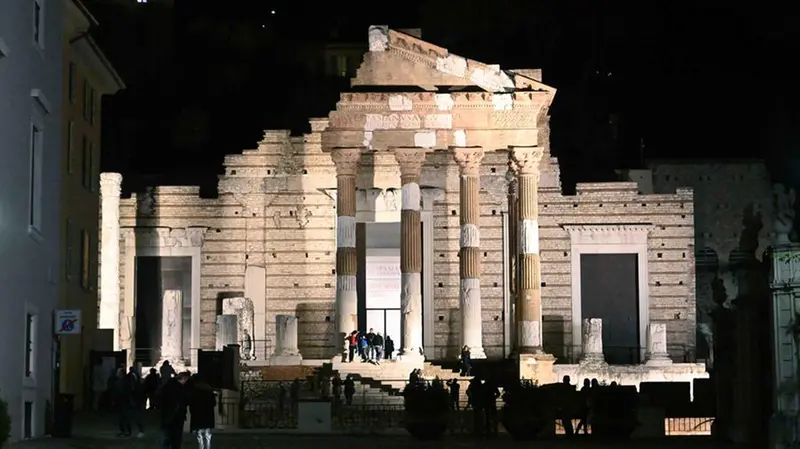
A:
{"x":202,"y":402}
{"x":171,"y":400}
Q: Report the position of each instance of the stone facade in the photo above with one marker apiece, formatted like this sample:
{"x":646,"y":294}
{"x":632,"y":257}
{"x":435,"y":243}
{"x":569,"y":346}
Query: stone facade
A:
{"x":277,"y":225}
{"x":733,"y":206}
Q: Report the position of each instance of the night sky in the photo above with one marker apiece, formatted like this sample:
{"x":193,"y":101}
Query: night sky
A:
{"x":689,"y":79}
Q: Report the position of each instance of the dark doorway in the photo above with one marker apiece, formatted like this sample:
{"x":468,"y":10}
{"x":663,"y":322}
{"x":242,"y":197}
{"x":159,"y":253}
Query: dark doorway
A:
{"x":154,"y":275}
{"x":610,"y":291}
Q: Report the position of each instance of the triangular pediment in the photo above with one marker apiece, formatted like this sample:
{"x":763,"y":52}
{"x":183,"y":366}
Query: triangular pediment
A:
{"x":399,"y":59}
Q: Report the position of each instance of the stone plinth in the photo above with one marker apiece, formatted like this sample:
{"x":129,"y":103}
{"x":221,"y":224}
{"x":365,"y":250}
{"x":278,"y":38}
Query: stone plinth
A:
{"x":227,"y":331}
{"x":657,"y":345}
{"x":592,"y":341}
{"x":286,"y":351}
{"x":172,"y":327}
{"x":538,"y":368}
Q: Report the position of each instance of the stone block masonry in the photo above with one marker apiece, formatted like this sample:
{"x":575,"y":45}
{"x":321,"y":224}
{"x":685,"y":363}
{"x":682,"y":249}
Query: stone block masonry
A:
{"x":282,"y":230}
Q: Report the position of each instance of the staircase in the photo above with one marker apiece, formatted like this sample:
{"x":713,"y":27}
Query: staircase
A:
{"x":384,"y":383}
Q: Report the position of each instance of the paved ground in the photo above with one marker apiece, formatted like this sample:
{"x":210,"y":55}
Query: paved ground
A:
{"x":258,"y":441}
{"x":99,"y":432}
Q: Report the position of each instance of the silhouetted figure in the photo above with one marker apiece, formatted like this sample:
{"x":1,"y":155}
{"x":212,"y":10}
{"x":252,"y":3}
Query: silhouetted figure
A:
{"x":202,"y":402}
{"x":489,"y":394}
{"x":294,"y":394}
{"x":151,"y":383}
{"x":455,"y":394}
{"x":171,"y":400}
{"x":475,"y":400}
{"x":388,"y":346}
{"x":565,"y":405}
{"x":466,"y":361}
{"x":282,"y":393}
{"x":167,"y":372}
{"x":584,"y":407}
{"x":349,"y":389}
{"x":337,"y":389}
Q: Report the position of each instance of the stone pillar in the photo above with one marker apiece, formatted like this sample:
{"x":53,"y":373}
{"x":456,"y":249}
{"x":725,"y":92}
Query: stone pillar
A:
{"x":110,"y":184}
{"x":529,"y":293}
{"x":227,"y":331}
{"x":172,"y":327}
{"x":513,"y":249}
{"x":410,"y":161}
{"x":346,"y":160}
{"x":592,"y":341}
{"x":657,"y":345}
{"x":469,"y":260}
{"x":286,"y":351}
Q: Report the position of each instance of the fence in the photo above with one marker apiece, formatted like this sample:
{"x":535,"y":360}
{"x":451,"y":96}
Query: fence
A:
{"x":268,"y":405}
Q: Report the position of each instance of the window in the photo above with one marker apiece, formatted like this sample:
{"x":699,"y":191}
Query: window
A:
{"x":93,"y":180}
{"x":27,"y":421}
{"x":70,"y":146}
{"x":85,"y":253}
{"x":73,"y":81}
{"x":86,"y":169}
{"x":38,"y":23}
{"x":69,"y":254}
{"x":89,"y":99}
{"x":341,"y":65}
{"x":30,"y":344}
{"x":35,"y":180}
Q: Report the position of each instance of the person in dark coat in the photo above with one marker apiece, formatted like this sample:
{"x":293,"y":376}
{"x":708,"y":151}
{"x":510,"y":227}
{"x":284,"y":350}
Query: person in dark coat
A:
{"x":171,"y":400}
{"x":201,"y":405}
{"x":388,"y":347}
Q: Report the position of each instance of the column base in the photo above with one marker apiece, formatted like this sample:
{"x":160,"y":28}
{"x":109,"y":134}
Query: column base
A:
{"x":477,"y":353}
{"x":286,"y":360}
{"x":593,"y":359}
{"x":657,"y":360}
{"x":412,"y":358}
{"x":537,"y":367}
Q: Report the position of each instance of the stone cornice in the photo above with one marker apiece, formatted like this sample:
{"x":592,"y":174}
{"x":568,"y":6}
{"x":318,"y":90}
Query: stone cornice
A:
{"x":191,"y":236}
{"x":379,"y":101}
{"x":611,"y":234}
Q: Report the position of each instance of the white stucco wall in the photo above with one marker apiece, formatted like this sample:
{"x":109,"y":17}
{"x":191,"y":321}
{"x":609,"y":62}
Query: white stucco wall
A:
{"x":30,"y":91}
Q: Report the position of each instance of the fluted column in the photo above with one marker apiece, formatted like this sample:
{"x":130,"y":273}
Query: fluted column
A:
{"x":529,"y":292}
{"x":469,"y":162}
{"x":346,"y":160}
{"x":110,"y":184}
{"x":513,"y":247}
{"x":410,"y":161}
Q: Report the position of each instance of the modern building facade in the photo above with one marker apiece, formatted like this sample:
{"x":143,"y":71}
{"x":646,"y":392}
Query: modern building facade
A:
{"x":87,"y":77}
{"x":30,"y":179}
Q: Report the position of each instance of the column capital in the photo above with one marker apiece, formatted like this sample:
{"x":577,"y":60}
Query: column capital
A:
{"x":468,"y":159}
{"x":526,"y":159}
{"x":410,"y":160}
{"x":110,"y":184}
{"x":346,"y":160}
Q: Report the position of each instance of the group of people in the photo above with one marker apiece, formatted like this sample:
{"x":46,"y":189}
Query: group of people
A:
{"x":171,"y":395}
{"x":371,"y":347}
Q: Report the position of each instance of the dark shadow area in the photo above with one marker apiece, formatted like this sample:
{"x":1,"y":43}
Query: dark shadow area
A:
{"x":610,"y":291}
{"x":554,"y":337}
